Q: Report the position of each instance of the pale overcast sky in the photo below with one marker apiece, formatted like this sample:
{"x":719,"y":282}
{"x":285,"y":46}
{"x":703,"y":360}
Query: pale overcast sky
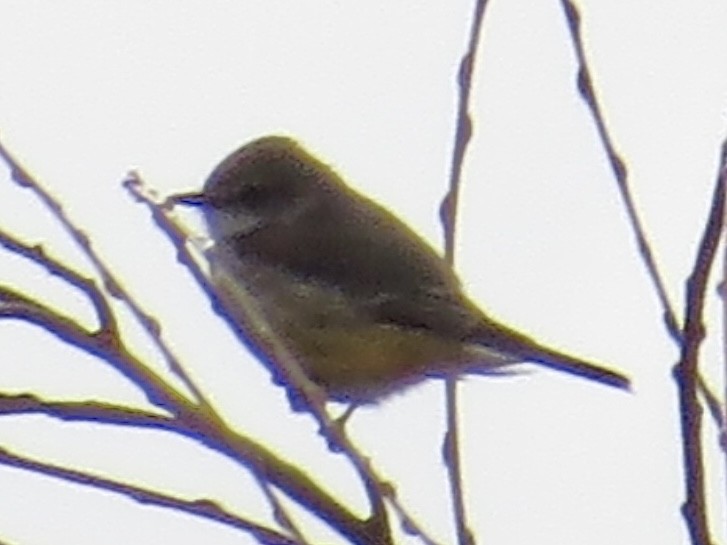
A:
{"x":90,"y":90}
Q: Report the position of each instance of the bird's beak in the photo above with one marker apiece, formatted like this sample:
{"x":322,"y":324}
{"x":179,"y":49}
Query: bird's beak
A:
{"x":187,"y":199}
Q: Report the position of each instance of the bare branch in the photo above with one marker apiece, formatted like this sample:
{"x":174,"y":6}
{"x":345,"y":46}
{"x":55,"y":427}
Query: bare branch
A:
{"x":448,"y":214}
{"x":686,"y":372}
{"x":36,"y":254}
{"x":111,"y":283}
{"x":85,"y":411}
{"x":618,"y":167}
{"x":202,"y":508}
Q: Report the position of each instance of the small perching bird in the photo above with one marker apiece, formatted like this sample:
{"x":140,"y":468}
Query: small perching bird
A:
{"x":366,"y":305}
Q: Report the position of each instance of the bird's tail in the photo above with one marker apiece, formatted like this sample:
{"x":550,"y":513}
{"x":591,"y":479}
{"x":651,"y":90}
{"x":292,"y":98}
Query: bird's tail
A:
{"x":520,"y":348}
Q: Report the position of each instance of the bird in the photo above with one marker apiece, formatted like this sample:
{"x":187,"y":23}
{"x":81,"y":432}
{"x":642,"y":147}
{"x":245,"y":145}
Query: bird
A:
{"x":365,"y":305}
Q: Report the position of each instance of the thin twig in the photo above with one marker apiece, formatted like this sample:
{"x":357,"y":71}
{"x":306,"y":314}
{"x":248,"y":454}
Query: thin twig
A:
{"x":112,"y":284}
{"x":691,"y":411}
{"x":202,"y":508}
{"x":85,"y":411}
{"x":207,"y":431}
{"x":686,"y":372}
{"x":618,"y":166}
{"x":448,"y":213}
{"x":36,"y":254}
{"x":16,"y":305}
{"x":280,"y":512}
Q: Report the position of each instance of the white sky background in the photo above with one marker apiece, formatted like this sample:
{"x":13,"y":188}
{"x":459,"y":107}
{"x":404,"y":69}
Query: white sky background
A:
{"x":90,"y":90}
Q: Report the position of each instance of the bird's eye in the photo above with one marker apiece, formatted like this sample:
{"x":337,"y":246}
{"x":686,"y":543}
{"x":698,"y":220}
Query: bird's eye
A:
{"x":255,"y":195}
